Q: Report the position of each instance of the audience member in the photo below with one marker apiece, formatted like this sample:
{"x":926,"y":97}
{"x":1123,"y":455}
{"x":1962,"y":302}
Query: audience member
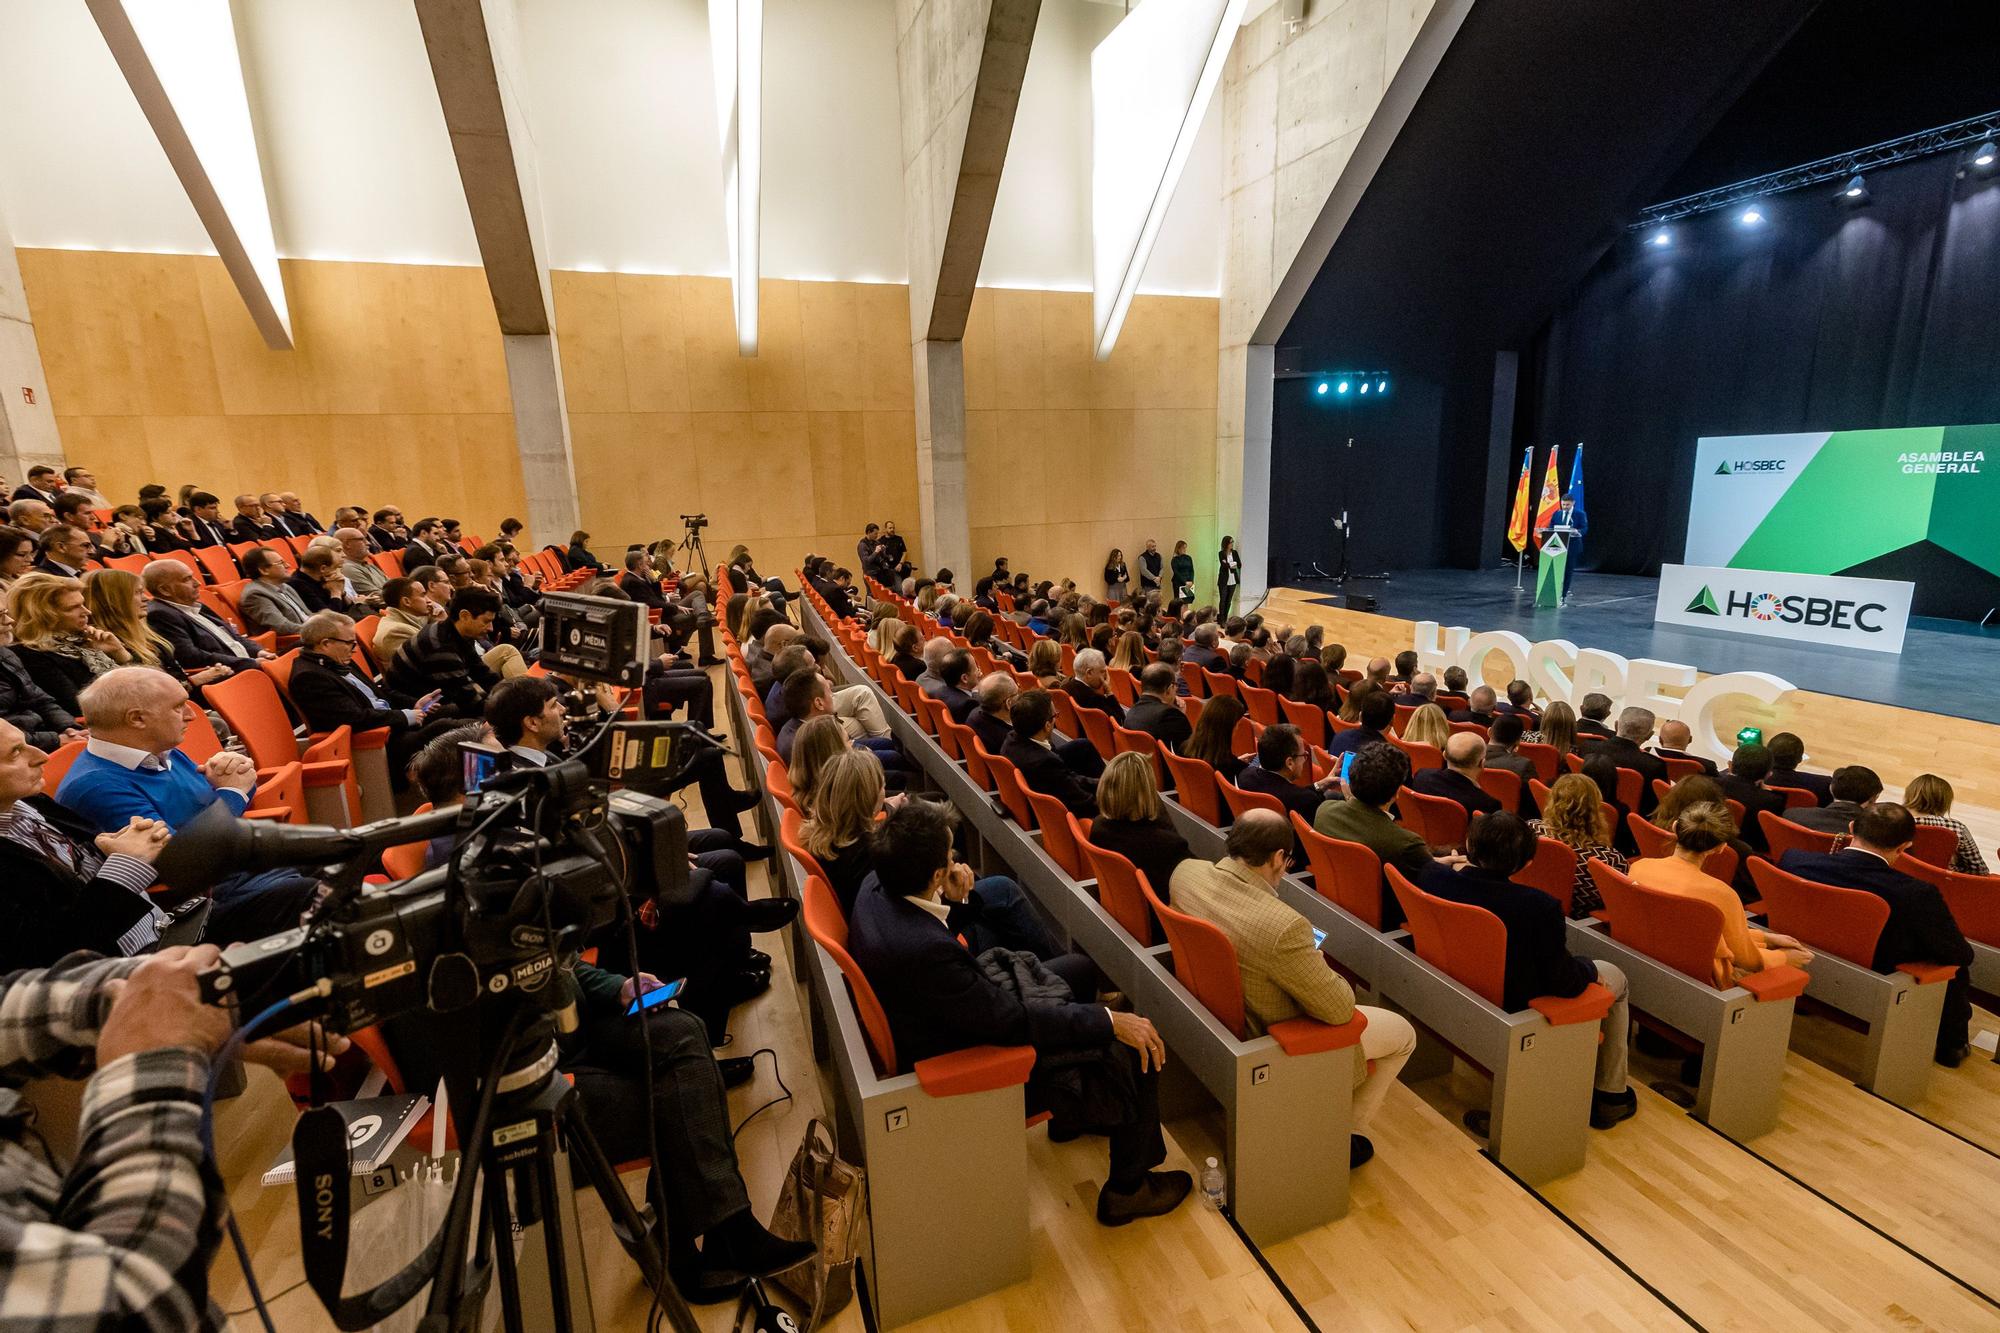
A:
{"x":17,"y":555}
{"x":1157,"y":711}
{"x":1377,"y":773}
{"x":1428,"y":726}
{"x":1557,"y":729}
{"x":1132,"y":822}
{"x":1635,"y":728}
{"x":321,"y":584}
{"x":269,"y":601}
{"x":939,"y":998}
{"x":1087,"y":685}
{"x":31,"y":516}
{"x":197,"y":638}
{"x":1029,"y":749}
{"x":1743,"y":783}
{"x":1787,"y":753}
{"x":1479,"y":709}
{"x":1675,"y":737}
{"x":1928,"y":797}
{"x":1853,"y":789}
{"x":1213,"y":740}
{"x":1376,"y":713}
{"x":1458,"y":780}
{"x":1593,"y":717}
{"x":43,"y":484}
{"x":1741,"y":949}
{"x":132,"y":768}
{"x":993,"y":722}
{"x":1602,"y":770}
{"x":1575,"y":816}
{"x":1538,"y":961}
{"x":1284,"y":974}
{"x":330,"y":690}
{"x":1501,"y":739}
{"x":1284,"y":771}
{"x":1520,"y":702}
{"x":1920,"y":928}
{"x":444,"y":657}
{"x":63,"y":551}
{"x":55,"y":641}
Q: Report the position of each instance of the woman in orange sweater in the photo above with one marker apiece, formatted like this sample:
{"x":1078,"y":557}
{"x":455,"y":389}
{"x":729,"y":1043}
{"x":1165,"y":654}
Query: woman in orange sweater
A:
{"x":1699,"y":830}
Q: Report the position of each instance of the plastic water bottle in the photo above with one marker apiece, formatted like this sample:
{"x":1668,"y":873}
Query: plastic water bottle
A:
{"x":1212,"y":1184}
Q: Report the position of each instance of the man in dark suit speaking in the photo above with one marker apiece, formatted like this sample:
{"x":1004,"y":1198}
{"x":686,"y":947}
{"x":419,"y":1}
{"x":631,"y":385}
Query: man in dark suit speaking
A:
{"x":939,"y":999}
{"x":1920,"y":928}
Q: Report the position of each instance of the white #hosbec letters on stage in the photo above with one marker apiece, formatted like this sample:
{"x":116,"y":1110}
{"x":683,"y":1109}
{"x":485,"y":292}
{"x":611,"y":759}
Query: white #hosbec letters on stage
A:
{"x":1796,"y":608}
{"x":1558,"y":669}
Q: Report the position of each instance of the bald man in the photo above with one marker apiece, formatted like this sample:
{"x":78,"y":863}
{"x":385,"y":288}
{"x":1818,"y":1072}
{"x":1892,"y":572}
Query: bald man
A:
{"x":1675,"y":737}
{"x":1458,"y":780}
{"x":1284,"y":975}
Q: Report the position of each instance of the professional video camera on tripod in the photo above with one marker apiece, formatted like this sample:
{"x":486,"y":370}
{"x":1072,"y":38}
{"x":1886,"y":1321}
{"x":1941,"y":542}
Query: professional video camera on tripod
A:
{"x":467,"y":968}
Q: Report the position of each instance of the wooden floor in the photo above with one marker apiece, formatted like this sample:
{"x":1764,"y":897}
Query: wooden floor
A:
{"x":1852,"y":1214}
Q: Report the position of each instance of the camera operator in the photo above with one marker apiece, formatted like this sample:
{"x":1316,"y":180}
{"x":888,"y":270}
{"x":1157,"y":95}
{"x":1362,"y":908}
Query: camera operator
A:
{"x":695,"y":1183}
{"x":124,"y":1238}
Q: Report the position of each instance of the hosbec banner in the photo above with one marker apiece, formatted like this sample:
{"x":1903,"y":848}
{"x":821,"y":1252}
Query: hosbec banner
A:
{"x":1558,"y":669}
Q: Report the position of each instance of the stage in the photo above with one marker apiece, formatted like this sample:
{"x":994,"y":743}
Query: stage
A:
{"x":1946,"y":666}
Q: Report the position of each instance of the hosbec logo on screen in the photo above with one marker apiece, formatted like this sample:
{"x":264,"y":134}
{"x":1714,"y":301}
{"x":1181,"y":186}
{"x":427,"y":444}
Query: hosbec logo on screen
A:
{"x":1729,"y":469}
{"x":1942,"y":461}
{"x":1819,"y":612}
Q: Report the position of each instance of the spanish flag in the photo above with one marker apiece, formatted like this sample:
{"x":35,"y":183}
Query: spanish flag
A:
{"x":1517,"y":526}
{"x":1550,"y":501}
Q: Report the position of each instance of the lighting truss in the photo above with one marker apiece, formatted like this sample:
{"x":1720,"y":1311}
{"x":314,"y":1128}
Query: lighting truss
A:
{"x":1924,"y":143}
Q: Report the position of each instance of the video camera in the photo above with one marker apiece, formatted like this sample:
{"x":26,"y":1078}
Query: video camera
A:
{"x":694,"y":522}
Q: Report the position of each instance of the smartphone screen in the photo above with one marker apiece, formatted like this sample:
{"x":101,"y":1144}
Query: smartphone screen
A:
{"x":657,"y":995}
{"x":1346,"y":762}
{"x":1319,"y":937}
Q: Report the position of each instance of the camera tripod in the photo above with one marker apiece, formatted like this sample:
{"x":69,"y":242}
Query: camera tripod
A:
{"x":534,"y":1132}
{"x":691,"y":547}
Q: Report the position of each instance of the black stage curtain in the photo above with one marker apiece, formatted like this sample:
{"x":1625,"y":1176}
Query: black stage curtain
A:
{"x":1828,"y":317}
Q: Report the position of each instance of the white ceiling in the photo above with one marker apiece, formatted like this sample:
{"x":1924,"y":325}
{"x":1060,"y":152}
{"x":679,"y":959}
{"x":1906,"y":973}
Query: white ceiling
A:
{"x":620,"y":106}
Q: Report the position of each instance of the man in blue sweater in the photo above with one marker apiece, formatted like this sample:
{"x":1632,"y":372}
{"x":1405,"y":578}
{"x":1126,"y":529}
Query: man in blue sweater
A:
{"x":132,"y":767}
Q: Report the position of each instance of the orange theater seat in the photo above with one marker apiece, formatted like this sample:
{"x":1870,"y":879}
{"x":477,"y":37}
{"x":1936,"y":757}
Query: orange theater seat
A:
{"x":1347,"y":874}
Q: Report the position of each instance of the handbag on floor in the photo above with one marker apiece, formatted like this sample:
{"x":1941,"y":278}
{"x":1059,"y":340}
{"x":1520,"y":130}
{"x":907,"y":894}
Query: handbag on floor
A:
{"x":823,"y":1200}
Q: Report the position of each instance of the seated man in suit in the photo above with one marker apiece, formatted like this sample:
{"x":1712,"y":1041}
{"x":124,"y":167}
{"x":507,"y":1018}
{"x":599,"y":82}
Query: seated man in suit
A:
{"x":1284,"y":973}
{"x":839,"y":594}
{"x":1087,"y":685}
{"x":1501,"y":738}
{"x":321,"y":583}
{"x":268,"y":601}
{"x":199,"y":638}
{"x":1203,"y":650}
{"x":250,"y":523}
{"x":1635,"y":728}
{"x":1157,"y":711}
{"x":1538,"y":958}
{"x":205,"y":518}
{"x":1378,"y":714}
{"x":1377,"y":774}
{"x":1675,"y":737}
{"x":1787,"y":753}
{"x":1744,"y":782}
{"x":1458,"y":780}
{"x":939,"y":999}
{"x":1046,"y":772}
{"x":1920,"y":928}
{"x":63,"y":551}
{"x":1479,"y":709}
{"x":1406,"y":668}
{"x":363,"y":574}
{"x":296,"y":518}
{"x":1422,"y":690}
{"x":993,"y":721}
{"x":1521,"y":703}
{"x":640,"y":583}
{"x":807,"y":695}
{"x":1592,"y":718}
{"x":69,"y":887}
{"x":960,"y":678}
{"x":132,"y":767}
{"x":1284,"y":770}
{"x":329,"y":690}
{"x":1853,"y":789}
{"x":386,"y":531}
{"x":426,"y":545}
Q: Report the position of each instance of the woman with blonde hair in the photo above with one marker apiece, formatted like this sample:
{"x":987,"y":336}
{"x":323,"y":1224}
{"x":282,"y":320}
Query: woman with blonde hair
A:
{"x":1428,"y":726}
{"x":1129,"y":653}
{"x":1574,"y":815}
{"x":112,"y":597}
{"x":847,"y":795}
{"x":1740,"y":949}
{"x":882,"y":629}
{"x":1045,"y":663}
{"x":55,"y":640}
{"x":1558,"y":729}
{"x":1132,"y":822}
{"x":1928,"y":798}
{"x":817,"y":742}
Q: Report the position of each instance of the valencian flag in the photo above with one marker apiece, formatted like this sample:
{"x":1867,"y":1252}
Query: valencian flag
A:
{"x":1550,"y":501}
{"x":1517,"y":526}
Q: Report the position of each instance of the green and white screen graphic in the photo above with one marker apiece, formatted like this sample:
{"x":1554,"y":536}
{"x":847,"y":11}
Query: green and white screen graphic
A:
{"x":1863,"y":502}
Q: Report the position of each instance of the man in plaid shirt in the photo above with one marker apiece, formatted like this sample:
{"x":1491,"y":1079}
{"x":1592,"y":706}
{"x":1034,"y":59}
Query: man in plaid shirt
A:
{"x":123,"y":1239}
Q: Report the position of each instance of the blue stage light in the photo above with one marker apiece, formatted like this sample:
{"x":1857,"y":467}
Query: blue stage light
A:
{"x":1749,"y":217}
{"x":1365,"y":386}
{"x":1320,"y":388}
{"x":1381,"y":386}
{"x":1984,"y":155}
{"x":1343,"y":387}
{"x":1662,"y":237}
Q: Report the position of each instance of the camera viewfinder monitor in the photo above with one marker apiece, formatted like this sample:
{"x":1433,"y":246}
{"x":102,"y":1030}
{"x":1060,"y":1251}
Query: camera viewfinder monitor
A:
{"x":597,"y":638}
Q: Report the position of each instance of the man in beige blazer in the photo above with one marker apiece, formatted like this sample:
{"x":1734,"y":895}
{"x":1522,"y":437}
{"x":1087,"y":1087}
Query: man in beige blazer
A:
{"x":1284,"y":973}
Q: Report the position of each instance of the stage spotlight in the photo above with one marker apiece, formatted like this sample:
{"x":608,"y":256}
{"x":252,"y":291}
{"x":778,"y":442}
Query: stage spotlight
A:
{"x":1365,"y":386}
{"x":1320,"y":388}
{"x":1855,"y":191}
{"x":1661,"y":237}
{"x":1381,"y":386}
{"x":1344,"y":386}
{"x":1749,"y":217}
{"x":1984,"y":155}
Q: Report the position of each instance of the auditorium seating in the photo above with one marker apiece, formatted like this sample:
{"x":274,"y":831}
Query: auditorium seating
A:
{"x":1974,"y":901}
{"x":1665,"y":944}
{"x":1901,"y":1008}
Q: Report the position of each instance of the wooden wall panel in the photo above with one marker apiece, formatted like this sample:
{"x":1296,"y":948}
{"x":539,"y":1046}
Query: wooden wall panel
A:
{"x":1068,"y":456}
{"x":395,"y":393}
